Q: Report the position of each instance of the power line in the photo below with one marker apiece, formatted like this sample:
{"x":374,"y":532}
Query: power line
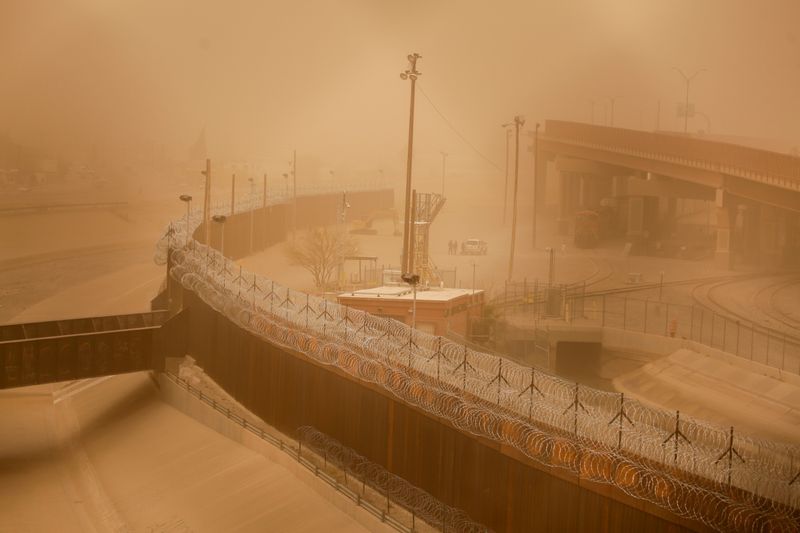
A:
{"x":450,"y":125}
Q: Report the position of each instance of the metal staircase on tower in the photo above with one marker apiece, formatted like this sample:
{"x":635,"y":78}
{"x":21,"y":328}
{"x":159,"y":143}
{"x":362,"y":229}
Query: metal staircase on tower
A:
{"x":425,"y":207}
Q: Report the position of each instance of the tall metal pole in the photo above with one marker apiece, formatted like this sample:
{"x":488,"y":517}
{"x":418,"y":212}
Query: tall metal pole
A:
{"x":474,"y":264}
{"x":613,"y":100}
{"x":233,"y":193}
{"x":518,"y":121}
{"x":535,"y":179}
{"x":688,"y":80}
{"x":444,"y":169}
{"x":294,"y":193}
{"x":207,"y":203}
{"x":265,"y":191}
{"x":252,"y":210}
{"x":411,"y":73}
{"x":505,"y":189}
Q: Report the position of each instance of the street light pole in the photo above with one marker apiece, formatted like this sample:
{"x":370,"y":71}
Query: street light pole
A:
{"x":252,"y":208}
{"x":688,"y":80}
{"x":188,"y":199}
{"x":518,"y":121}
{"x":294,"y":193}
{"x":220,"y":219}
{"x":505,"y":189}
{"x":233,"y":193}
{"x":535,"y":179}
{"x":613,"y":100}
{"x":411,"y":73}
{"x":413,"y":280}
{"x":207,"y":203}
{"x":444,"y":167}
{"x":474,"y":264}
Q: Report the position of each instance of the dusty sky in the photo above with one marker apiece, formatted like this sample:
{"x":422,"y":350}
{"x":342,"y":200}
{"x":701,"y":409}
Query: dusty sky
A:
{"x":322,"y":75}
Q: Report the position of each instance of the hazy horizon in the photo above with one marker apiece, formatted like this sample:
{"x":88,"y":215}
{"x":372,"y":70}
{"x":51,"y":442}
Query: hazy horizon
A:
{"x":134,"y":78}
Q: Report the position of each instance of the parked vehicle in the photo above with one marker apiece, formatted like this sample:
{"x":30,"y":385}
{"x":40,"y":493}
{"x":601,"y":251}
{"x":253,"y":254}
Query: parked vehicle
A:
{"x":474,"y":247}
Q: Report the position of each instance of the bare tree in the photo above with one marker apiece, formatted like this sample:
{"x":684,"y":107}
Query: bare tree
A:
{"x":320,"y":251}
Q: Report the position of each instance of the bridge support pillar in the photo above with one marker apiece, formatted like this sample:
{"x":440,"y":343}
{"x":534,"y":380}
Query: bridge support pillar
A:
{"x":723,"y":258}
{"x":564,"y":202}
{"x":635,"y":226}
{"x":772,"y":237}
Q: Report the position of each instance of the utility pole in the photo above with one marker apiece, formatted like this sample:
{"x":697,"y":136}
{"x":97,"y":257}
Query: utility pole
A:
{"x":613,"y":100}
{"x":535,"y":179}
{"x":688,"y":80}
{"x":658,"y":117}
{"x":411,"y":73}
{"x":207,"y":202}
{"x":444,"y":167}
{"x":518,"y":121}
{"x":233,"y":193}
{"x":505,"y":189}
{"x":294,"y":193}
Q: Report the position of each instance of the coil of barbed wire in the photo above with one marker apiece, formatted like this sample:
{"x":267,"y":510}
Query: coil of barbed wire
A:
{"x":549,"y":419}
{"x":413,"y":498}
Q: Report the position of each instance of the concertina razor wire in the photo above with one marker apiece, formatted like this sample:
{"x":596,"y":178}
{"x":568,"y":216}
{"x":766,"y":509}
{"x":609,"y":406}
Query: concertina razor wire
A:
{"x":694,"y":469}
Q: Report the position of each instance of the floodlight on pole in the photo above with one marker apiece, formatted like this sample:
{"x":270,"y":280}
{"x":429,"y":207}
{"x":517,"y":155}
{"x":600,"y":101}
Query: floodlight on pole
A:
{"x":220,"y":219}
{"x":409,"y":74}
{"x":188,"y":199}
{"x":506,"y":127}
{"x":613,"y":100}
{"x":688,"y":80}
{"x":518,"y":122}
{"x":413,"y":280}
{"x":252,"y":209}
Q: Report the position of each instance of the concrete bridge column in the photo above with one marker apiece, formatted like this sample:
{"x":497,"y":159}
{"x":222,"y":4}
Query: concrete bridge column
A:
{"x":635,"y":224}
{"x":770,"y":237}
{"x":723,"y":258}
{"x":564,"y":212}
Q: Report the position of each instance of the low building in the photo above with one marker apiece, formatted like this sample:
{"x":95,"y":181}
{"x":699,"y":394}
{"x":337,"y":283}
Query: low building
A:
{"x":439,"y":310}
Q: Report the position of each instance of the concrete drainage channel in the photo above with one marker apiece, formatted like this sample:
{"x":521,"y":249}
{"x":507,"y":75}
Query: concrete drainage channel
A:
{"x":367,"y":503}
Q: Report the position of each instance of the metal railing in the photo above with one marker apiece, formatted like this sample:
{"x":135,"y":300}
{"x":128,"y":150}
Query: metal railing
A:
{"x":594,"y":434}
{"x":772,"y":168}
{"x":696,"y":323}
{"x":318,"y":464}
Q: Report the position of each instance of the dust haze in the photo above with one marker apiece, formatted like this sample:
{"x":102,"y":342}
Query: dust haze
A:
{"x":126,"y":83}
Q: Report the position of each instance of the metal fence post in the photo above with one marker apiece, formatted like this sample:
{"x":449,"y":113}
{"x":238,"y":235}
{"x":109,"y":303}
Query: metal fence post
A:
{"x":738,"y":327}
{"x":624,"y":312}
{"x":713,"y":316}
{"x":768,"y":338}
{"x":702,"y":320}
{"x":724,"y":332}
{"x":603,"y":319}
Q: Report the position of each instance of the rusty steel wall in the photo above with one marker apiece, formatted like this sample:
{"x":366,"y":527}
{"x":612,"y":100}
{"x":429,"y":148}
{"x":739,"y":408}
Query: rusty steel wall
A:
{"x":65,"y":350}
{"x":506,"y":493}
{"x":271,"y":224}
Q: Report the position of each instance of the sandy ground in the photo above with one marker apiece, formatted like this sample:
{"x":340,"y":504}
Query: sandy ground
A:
{"x":113,"y":457}
{"x":712,"y":390}
{"x":82,"y":458}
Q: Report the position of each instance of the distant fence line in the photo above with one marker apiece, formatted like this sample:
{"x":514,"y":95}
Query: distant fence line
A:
{"x":574,"y":303}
